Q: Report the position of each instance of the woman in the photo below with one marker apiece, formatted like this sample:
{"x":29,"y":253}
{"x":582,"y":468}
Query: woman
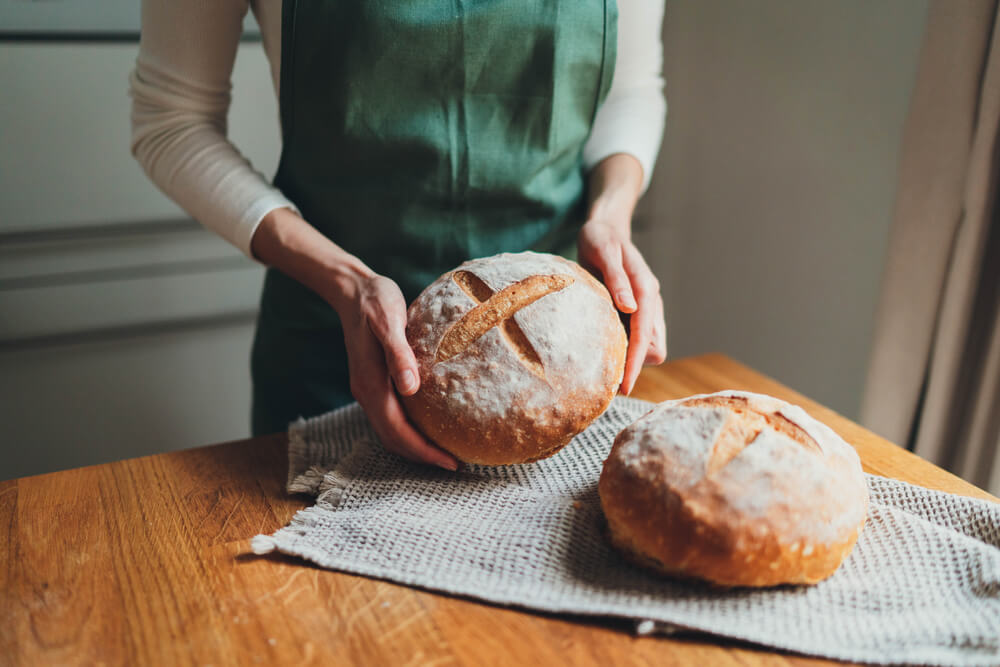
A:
{"x":416,"y":134}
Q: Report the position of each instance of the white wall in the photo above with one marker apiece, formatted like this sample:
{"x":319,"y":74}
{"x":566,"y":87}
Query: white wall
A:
{"x":768,"y":217}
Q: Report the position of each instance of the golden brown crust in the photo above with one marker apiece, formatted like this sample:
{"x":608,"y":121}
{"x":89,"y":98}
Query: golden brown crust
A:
{"x":688,"y":513}
{"x":517,"y":354}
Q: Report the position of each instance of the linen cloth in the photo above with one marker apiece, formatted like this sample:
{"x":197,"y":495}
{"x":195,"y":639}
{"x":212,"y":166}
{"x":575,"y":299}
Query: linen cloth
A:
{"x":922,"y":585}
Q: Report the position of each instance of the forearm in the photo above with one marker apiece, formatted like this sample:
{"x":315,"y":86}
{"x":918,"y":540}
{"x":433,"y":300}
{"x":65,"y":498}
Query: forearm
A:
{"x":631,"y":118}
{"x":293,"y":246}
{"x":614,"y":186}
{"x":180,"y":91}
{"x":373,"y":314}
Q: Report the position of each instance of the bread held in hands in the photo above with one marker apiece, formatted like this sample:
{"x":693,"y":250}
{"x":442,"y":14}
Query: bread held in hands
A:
{"x":517,"y":354}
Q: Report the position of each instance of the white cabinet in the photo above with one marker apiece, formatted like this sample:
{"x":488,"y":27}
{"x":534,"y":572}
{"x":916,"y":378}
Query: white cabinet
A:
{"x":125,"y":327}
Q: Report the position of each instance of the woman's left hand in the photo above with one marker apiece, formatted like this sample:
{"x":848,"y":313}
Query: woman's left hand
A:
{"x":605,"y":248}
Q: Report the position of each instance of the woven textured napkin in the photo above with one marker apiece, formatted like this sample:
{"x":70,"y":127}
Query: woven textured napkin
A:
{"x":922,"y":585}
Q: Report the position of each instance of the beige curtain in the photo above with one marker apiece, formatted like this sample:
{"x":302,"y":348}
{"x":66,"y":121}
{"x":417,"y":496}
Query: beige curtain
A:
{"x":934,"y":378}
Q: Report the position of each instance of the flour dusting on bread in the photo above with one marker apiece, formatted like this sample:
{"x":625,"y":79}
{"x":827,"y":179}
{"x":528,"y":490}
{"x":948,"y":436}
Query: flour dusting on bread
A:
{"x":537,"y":367}
{"x":734,"y":487}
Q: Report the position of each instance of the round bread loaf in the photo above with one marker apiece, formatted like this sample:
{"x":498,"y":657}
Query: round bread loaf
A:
{"x":517,"y":353}
{"x":734,"y":488}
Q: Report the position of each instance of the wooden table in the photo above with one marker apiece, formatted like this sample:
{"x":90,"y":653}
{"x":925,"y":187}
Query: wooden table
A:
{"x":147,"y":561}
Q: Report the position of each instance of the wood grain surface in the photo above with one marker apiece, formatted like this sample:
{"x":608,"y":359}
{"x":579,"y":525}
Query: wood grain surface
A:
{"x":147,"y":562}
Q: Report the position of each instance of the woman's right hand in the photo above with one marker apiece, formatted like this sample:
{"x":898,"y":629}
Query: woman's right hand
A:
{"x":373,"y":314}
{"x":379,"y":356}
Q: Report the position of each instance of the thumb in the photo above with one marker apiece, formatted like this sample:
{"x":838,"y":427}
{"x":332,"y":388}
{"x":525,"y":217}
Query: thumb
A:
{"x":402,"y":363}
{"x":399,"y":358}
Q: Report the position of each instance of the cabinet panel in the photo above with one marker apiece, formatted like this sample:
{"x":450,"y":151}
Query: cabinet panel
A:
{"x":71,"y":405}
{"x":65,"y":126}
{"x":50,"y":257}
{"x":125,"y":327}
{"x":99,"y":282}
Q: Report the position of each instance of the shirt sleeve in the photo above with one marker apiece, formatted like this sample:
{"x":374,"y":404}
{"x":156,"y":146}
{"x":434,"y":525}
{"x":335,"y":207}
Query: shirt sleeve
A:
{"x":180,"y":90}
{"x":632,"y":117}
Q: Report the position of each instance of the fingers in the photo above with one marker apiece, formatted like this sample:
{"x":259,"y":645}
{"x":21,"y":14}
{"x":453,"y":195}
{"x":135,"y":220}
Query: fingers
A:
{"x":634,"y":290}
{"x":604,"y":252}
{"x":636,"y":354}
{"x":657,"y":352}
{"x":385,"y":314}
{"x":399,"y":436}
{"x":647,"y":334}
{"x":380,"y":356}
{"x":370,"y":386}
{"x":610,"y":263}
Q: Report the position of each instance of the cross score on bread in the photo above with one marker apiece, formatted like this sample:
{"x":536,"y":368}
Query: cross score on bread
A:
{"x":742,"y":428}
{"x":517,"y":354}
{"x":496,"y":309}
{"x":735,"y":488}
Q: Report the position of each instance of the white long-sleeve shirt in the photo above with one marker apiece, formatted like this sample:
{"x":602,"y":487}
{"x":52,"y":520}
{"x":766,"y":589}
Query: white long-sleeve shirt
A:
{"x":181,"y":92}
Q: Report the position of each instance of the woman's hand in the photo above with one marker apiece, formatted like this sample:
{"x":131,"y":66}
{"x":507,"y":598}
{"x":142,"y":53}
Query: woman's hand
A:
{"x":379,"y":356}
{"x":605,"y":247}
{"x":635,"y":290}
{"x":373,"y":314}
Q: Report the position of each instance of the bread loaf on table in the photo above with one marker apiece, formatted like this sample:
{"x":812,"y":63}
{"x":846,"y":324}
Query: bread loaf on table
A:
{"x":734,"y":488}
{"x":517,"y":353}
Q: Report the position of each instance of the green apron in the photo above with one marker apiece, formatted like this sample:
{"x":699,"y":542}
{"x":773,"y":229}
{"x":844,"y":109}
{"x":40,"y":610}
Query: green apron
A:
{"x":418,"y":134}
